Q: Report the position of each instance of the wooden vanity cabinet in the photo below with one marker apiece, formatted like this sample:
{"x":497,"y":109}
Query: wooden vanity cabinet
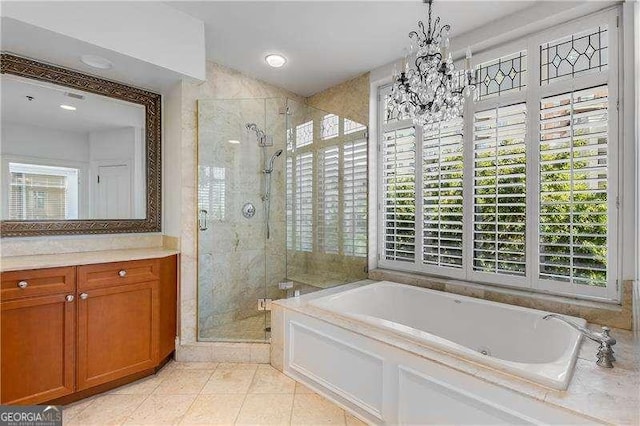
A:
{"x":74,"y":329}
{"x":118,"y":320}
{"x":37,"y":335}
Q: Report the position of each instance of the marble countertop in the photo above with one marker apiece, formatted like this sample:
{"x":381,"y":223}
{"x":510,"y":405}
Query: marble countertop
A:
{"x":21,"y":263}
{"x":605,"y":395}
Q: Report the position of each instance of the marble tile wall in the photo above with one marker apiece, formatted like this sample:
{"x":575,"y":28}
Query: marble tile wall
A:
{"x":223,"y":83}
{"x":75,"y":244}
{"x":349,"y":99}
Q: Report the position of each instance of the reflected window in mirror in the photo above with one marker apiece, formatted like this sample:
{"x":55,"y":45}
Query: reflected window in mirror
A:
{"x":71,"y":154}
{"x":39,"y":192}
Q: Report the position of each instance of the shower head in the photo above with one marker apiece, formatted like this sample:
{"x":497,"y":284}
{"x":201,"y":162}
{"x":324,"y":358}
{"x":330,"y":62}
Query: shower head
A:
{"x":259,"y":133}
{"x":269,"y":168}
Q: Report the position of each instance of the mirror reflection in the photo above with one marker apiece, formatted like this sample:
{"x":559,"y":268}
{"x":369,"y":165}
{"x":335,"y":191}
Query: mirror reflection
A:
{"x":68,"y":154}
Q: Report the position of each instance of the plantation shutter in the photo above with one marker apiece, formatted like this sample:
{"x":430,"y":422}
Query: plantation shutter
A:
{"x":573,"y":187}
{"x":354,"y":226}
{"x":289,"y":203}
{"x":499,"y":190}
{"x":304,"y":202}
{"x":328,"y":199}
{"x":399,"y":194}
{"x":442,"y":193}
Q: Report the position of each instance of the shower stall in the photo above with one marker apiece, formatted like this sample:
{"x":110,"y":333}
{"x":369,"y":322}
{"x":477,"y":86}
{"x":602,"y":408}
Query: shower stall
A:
{"x":282,"y":209}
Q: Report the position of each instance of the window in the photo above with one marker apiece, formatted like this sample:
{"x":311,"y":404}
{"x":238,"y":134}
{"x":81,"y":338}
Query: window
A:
{"x":354,"y":189}
{"x":42,"y":192}
{"x":326,"y":189}
{"x":522,"y":192}
{"x":574,"y":187}
{"x":442,"y":178}
{"x":499,"y":190}
{"x":328,"y":199}
{"x":303,"y":222}
{"x":304,"y":134}
{"x":329,"y":126}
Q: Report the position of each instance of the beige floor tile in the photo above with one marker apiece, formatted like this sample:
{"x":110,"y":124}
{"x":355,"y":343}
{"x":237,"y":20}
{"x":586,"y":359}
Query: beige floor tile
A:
{"x":161,"y":410}
{"x":229,"y":380}
{"x":270,"y":380}
{"x":208,"y":366}
{"x":354,"y":421}
{"x":72,"y":410}
{"x":300,"y":388}
{"x":266,"y":409}
{"x":218,"y":409}
{"x":237,"y":366}
{"x":108,"y":410}
{"x":312,"y":409}
{"x":166,"y":369}
{"x":183,"y":382}
{"x":140,"y":387}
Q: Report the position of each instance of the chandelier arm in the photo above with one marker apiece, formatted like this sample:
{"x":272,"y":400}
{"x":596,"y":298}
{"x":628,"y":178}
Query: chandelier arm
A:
{"x":446,"y":27}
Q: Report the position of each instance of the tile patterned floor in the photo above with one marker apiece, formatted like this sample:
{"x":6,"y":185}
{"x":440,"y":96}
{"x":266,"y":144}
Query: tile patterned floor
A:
{"x":201,"y":393}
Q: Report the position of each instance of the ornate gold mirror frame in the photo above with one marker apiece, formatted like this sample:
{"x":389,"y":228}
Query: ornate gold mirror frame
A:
{"x":11,"y":64}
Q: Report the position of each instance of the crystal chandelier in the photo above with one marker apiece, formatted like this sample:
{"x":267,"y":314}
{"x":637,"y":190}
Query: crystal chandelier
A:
{"x":431,"y":90}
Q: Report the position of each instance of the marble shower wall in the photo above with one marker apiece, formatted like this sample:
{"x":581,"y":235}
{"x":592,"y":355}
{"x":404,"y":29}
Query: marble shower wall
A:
{"x":237,"y":264}
{"x":222,"y":83}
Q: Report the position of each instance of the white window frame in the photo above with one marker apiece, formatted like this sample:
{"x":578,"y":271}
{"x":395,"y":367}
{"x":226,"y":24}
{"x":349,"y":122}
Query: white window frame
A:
{"x":531,"y":95}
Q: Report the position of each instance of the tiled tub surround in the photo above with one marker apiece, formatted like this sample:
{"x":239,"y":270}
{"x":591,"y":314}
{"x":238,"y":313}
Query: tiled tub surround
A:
{"x":594,"y":394}
{"x":611,"y":315}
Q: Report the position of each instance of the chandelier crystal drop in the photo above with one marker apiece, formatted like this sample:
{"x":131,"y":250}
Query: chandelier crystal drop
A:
{"x":430,"y":90}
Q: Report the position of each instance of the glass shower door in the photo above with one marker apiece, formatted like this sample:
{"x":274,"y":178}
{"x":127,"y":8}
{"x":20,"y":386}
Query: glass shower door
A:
{"x":234,"y":274}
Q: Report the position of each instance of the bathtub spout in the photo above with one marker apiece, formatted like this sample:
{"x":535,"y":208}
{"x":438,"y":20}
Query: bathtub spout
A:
{"x":605,"y":353}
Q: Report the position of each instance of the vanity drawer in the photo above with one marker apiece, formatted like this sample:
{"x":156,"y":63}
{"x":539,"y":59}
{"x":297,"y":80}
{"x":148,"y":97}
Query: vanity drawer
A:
{"x":117,"y":273}
{"x":38,"y":282}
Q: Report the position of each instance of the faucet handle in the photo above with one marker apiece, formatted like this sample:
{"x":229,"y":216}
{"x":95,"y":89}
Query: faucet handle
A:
{"x":607,"y":336}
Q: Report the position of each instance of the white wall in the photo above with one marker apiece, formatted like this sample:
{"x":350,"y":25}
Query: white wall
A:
{"x":38,"y":142}
{"x":149,"y":31}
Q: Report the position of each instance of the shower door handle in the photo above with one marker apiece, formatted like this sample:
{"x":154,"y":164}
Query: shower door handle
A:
{"x":202,"y":220}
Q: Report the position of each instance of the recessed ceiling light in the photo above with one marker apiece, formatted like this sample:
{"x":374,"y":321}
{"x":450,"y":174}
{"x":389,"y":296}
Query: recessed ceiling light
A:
{"x":234,"y":141}
{"x":68,"y":107}
{"x":96,"y":61}
{"x":275,"y":61}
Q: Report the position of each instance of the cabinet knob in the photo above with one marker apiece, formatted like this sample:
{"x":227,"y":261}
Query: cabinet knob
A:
{"x":83,"y":296}
{"x":69,"y":298}
{"x":122,"y":273}
{"x":23,"y":284}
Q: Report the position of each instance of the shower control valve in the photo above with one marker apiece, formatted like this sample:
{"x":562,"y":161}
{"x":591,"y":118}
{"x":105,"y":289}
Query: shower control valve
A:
{"x":248,"y":210}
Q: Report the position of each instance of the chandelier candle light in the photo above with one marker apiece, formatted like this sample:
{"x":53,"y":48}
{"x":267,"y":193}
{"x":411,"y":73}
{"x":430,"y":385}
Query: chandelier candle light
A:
{"x":431,"y":90}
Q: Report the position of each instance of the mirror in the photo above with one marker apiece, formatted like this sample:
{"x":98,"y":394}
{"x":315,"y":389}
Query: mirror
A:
{"x":68,"y":154}
{"x":78,"y":154}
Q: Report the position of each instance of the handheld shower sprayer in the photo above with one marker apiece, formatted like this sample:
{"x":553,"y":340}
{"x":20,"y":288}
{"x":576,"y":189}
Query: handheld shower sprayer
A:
{"x":269,"y":168}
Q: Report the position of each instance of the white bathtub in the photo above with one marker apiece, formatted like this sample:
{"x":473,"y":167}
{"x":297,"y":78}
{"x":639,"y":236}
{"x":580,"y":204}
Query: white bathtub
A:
{"x":504,"y":337}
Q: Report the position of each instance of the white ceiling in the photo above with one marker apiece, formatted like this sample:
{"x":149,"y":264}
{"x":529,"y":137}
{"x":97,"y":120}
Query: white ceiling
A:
{"x":325,"y":42}
{"x":93,"y":113}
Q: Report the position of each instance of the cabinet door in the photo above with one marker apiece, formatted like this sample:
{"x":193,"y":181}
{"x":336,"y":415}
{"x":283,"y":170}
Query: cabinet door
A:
{"x":117,"y":329}
{"x":38,"y":342}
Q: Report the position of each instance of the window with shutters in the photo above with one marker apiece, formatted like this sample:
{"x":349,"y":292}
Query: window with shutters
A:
{"x":303,"y":220}
{"x":521,"y":192}
{"x":354,"y":189}
{"x":39,"y":192}
{"x":327,"y":186}
{"x":328,"y":200}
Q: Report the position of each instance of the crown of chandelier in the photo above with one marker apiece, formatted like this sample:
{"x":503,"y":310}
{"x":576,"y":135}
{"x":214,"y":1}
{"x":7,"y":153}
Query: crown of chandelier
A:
{"x":431,"y":89}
